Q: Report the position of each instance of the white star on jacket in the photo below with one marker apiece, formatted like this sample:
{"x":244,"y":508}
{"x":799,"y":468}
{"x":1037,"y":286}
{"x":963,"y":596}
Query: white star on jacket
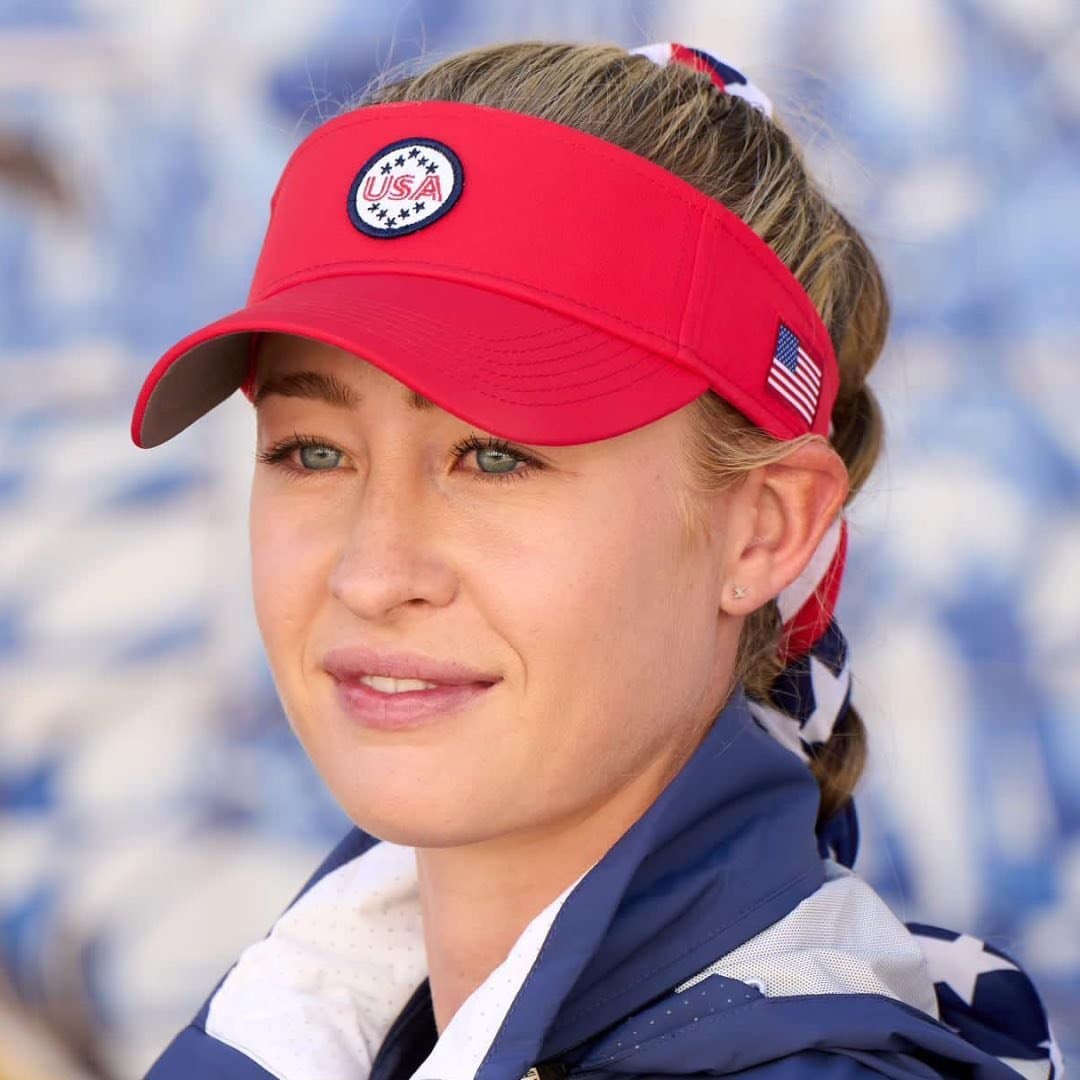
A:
{"x":960,"y":963}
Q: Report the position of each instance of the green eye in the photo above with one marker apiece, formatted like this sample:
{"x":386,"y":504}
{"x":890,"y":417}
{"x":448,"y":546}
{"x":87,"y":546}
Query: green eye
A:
{"x":318,"y":458}
{"x":492,"y":450}
{"x":315,"y":455}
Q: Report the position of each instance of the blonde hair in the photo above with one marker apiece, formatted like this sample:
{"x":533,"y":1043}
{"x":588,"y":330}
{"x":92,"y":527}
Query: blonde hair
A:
{"x":677,"y":118}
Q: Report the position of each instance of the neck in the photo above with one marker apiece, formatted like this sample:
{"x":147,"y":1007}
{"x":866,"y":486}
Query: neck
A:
{"x":476,"y":899}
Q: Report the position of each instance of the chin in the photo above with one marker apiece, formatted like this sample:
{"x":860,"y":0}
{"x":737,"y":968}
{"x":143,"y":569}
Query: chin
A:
{"x":418,"y":789}
{"x":418,"y":826}
{"x":426,"y":803}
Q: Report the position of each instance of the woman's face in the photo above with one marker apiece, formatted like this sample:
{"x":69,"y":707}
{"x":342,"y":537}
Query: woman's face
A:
{"x":569,"y":582}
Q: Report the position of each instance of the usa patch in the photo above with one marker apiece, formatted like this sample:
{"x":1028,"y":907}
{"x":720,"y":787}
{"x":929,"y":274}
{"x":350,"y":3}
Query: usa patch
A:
{"x":405,"y":186}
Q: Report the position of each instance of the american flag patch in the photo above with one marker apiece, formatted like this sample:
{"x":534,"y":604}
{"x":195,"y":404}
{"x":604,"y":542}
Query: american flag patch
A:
{"x":794,"y":376}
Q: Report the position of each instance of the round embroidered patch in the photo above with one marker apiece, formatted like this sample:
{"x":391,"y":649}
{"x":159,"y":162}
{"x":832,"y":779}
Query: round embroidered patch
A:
{"x":404,"y":187}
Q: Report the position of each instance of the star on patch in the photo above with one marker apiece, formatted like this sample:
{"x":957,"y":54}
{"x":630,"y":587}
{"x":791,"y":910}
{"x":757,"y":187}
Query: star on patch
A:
{"x":418,"y":206}
{"x":381,"y":214}
{"x":386,"y":168}
{"x":399,"y":160}
{"x":423,"y":161}
{"x":374,"y":206}
{"x":414,"y":151}
{"x":403,"y":213}
{"x":432,"y":168}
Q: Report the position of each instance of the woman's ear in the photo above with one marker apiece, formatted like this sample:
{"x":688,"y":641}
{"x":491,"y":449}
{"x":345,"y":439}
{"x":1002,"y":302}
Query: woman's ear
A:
{"x":777,"y":519}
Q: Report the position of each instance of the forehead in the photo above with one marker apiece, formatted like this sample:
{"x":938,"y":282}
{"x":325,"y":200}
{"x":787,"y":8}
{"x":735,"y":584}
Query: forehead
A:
{"x":291,"y":366}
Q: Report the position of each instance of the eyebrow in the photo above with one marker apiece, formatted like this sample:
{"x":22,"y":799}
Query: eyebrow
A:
{"x":328,"y":388}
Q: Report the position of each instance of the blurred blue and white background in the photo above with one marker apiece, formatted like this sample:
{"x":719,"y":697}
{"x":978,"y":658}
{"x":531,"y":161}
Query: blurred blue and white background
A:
{"x":155,"y":812}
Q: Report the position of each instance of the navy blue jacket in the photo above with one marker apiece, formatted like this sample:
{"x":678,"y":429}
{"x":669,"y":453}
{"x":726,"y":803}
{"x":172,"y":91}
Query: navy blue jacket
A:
{"x":712,"y":940}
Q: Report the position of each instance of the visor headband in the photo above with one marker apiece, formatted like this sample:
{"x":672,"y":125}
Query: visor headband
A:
{"x":544,"y":213}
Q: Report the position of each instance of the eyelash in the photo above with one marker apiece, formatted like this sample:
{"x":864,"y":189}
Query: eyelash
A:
{"x":281,"y":451}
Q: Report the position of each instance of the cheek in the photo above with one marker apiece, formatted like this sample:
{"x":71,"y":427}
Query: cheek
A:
{"x":559,"y":591}
{"x":621,"y":627}
{"x":622,"y":583}
{"x":289,"y":568}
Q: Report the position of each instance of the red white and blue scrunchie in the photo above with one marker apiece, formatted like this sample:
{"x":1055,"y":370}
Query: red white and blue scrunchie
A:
{"x":726,"y":77}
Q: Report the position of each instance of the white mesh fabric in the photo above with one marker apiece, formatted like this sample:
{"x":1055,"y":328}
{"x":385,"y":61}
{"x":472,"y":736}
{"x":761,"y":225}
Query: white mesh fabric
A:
{"x":841,"y":940}
{"x":315,"y":998}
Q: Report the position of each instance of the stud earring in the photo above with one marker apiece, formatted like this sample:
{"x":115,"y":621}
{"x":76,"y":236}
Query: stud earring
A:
{"x":739,"y":591}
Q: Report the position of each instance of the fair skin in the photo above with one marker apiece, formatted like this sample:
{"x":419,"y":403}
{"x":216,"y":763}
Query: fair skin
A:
{"x":613,"y":640}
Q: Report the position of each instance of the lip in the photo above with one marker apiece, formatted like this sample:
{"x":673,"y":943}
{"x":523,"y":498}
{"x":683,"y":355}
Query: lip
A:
{"x":349,"y":663}
{"x":372,"y":708}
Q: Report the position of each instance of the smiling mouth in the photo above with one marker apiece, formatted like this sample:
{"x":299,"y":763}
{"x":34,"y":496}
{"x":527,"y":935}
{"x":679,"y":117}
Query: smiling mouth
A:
{"x":405,"y":709}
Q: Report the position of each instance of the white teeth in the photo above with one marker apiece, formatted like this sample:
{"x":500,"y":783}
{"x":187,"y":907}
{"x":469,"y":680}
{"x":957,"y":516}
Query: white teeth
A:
{"x":395,"y":686}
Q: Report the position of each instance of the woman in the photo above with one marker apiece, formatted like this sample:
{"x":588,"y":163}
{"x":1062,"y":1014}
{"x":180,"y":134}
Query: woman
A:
{"x":559,"y":364}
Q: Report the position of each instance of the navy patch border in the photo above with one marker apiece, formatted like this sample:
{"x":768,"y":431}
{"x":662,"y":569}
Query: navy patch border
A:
{"x":404,"y":230}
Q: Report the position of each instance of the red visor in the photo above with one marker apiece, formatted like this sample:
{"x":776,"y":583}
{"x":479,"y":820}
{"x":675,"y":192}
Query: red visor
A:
{"x":536,"y":281}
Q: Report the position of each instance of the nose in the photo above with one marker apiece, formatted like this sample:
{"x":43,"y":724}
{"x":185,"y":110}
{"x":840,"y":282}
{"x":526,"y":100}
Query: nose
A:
{"x":390,"y":553}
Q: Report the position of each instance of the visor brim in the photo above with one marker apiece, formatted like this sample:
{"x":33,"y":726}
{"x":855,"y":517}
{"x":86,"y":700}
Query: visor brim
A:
{"x":514,"y":368}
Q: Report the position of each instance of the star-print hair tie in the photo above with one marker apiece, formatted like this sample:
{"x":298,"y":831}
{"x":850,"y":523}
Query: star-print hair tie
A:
{"x":727,"y":78}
